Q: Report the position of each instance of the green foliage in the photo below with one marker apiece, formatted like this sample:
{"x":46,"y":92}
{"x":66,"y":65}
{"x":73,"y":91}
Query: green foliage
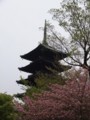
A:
{"x":6,"y":107}
{"x":43,"y":82}
{"x":31,"y":91}
{"x":73,"y":17}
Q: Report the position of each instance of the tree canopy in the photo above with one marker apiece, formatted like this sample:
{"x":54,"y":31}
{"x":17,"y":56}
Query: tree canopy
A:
{"x":74,"y":17}
{"x":68,"y":102}
{"x":7,"y":111}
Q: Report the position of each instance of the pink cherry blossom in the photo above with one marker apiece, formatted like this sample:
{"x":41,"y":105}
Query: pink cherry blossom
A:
{"x":68,"y":102}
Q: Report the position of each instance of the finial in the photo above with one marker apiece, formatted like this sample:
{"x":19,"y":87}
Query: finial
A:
{"x":45,"y":34}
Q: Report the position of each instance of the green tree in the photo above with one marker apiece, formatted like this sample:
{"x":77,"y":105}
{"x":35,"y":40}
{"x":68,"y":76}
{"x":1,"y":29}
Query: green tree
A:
{"x":7,"y":111}
{"x":74,"y":17}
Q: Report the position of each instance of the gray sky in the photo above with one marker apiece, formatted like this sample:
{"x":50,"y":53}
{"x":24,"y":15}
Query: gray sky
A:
{"x":19,"y":33}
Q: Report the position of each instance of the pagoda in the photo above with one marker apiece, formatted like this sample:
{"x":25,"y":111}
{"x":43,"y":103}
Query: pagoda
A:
{"x":43,"y":59}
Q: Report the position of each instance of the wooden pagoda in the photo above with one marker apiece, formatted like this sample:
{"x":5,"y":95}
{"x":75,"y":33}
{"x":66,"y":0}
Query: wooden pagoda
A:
{"x":44,"y":59}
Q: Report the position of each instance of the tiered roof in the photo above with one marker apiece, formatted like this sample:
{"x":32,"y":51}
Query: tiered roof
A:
{"x":44,"y":59}
{"x":44,"y":52}
{"x":44,"y":66}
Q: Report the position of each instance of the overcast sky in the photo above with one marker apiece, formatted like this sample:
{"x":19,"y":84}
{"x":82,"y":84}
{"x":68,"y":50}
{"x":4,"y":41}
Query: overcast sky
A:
{"x":19,"y":33}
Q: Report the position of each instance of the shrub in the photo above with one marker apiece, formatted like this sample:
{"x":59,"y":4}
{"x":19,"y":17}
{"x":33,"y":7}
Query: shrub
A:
{"x":6,"y":107}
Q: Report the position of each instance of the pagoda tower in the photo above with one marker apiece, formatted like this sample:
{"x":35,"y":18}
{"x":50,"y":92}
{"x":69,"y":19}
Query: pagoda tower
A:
{"x":44,"y":59}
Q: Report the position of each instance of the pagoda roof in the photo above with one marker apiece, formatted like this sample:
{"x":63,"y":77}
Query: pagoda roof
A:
{"x":28,"y":81}
{"x":45,"y":52}
{"x":44,"y":66}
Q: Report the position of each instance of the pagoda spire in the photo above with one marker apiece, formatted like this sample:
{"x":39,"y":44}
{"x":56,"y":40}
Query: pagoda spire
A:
{"x":45,"y":34}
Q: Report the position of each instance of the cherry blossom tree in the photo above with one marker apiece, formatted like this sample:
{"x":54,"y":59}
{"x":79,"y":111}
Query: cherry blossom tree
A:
{"x":61,"y":102}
